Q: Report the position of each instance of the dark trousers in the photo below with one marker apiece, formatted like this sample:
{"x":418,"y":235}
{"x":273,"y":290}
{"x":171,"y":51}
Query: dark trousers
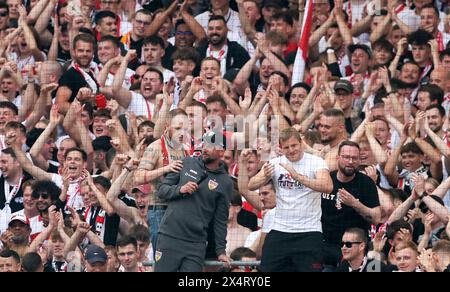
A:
{"x":332,"y":256}
{"x":292,"y":252}
{"x":176,"y":255}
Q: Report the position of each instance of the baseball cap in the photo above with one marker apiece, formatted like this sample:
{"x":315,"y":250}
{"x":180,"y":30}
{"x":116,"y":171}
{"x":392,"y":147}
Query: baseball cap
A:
{"x":95,"y":254}
{"x":344,"y":85}
{"x":271,"y":3}
{"x":143,"y":189}
{"x":19,"y":217}
{"x":365,"y":48}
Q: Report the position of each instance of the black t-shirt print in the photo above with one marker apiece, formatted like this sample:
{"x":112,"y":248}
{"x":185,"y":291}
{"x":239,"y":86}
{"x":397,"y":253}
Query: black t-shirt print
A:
{"x":334,"y":221}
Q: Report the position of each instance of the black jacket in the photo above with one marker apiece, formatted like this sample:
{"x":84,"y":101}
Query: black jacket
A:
{"x":237,"y":56}
{"x":188,"y":216}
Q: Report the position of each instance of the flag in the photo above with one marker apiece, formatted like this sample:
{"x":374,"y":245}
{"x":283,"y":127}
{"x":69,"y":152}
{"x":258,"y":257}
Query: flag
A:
{"x":302,"y":51}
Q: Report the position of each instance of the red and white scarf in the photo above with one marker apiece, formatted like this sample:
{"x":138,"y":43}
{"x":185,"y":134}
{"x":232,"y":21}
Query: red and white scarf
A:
{"x":165,"y":146}
{"x":99,"y":220}
{"x":90,"y":80}
{"x":440,"y":41}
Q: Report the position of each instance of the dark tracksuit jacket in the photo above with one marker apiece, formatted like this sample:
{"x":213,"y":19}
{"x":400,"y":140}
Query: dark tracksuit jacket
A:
{"x":187,"y":216}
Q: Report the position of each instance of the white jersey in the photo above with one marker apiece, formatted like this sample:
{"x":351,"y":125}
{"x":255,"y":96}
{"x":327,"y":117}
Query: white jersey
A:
{"x":74,"y":198}
{"x":127,"y":81}
{"x":140,"y":106}
{"x":298,"y":207}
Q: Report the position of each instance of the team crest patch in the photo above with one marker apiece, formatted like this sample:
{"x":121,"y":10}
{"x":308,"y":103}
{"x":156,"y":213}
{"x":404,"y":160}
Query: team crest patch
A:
{"x":212,"y":185}
{"x":158,"y":256}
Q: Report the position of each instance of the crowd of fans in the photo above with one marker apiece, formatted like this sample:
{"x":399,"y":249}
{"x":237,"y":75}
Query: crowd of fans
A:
{"x":152,"y":135}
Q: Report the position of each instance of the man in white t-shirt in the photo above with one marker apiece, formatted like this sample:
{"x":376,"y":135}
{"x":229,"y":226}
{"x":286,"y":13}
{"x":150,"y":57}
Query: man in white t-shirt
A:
{"x":295,"y":240}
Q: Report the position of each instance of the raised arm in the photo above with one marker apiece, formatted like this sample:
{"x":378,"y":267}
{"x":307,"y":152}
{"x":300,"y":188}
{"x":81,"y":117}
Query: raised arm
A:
{"x":322,"y":183}
{"x":163,"y":117}
{"x":103,"y":75}
{"x":103,"y":201}
{"x":159,"y":20}
{"x":380,"y":155}
{"x":26,"y":164}
{"x":403,"y":209}
{"x":120,"y":94}
{"x":342,"y":24}
{"x":442,"y":189}
{"x":262,"y":177}
{"x":193,"y":25}
{"x":243,"y":181}
{"x":35,"y":151}
{"x":381,"y":29}
{"x":390,"y":168}
{"x":129,"y":214}
{"x":31,"y":41}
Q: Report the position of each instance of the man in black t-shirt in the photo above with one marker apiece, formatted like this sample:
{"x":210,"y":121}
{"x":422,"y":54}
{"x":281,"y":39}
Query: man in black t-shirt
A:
{"x":353,"y":203}
{"x":80,"y":73}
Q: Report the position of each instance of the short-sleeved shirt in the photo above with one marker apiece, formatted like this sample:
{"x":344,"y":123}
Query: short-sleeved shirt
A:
{"x":140,"y":106}
{"x":73,"y":80}
{"x":298,"y":207}
{"x":334,"y":221}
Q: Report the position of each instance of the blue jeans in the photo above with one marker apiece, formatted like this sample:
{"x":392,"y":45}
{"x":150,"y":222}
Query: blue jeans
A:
{"x":154,"y":218}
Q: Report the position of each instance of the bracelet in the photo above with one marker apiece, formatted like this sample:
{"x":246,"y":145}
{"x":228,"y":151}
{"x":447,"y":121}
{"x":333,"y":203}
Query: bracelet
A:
{"x":127,"y":168}
{"x":424,"y":194}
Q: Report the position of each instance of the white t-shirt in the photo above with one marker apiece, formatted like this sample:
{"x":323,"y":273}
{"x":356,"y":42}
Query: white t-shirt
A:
{"x":268,"y":221}
{"x":298,"y":207}
{"x":140,"y":106}
{"x":74,"y":198}
{"x":126,"y":81}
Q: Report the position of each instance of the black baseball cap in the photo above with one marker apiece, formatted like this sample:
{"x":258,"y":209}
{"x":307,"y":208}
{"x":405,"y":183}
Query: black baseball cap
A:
{"x":365,"y":48}
{"x":344,"y":85}
{"x":95,"y":254}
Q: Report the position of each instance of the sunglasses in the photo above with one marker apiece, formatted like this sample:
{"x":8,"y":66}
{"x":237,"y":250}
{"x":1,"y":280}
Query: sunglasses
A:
{"x":3,"y":14}
{"x":349,"y":244}
{"x":44,"y":196}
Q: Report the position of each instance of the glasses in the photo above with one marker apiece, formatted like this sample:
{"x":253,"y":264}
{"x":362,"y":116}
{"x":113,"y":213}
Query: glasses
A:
{"x":349,"y":244}
{"x":3,"y":14}
{"x":348,"y":158}
{"x":44,"y":196}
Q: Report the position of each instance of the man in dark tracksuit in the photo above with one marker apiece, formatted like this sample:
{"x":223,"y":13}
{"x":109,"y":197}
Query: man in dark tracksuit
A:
{"x":198,"y":194}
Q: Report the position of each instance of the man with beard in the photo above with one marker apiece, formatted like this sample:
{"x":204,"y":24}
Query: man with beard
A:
{"x":46,"y":194}
{"x":11,"y":180}
{"x":17,"y":237}
{"x":435,"y":114}
{"x":230,"y":54}
{"x":201,"y":192}
{"x":353,"y":203}
{"x":160,"y":158}
{"x":81,"y":73}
